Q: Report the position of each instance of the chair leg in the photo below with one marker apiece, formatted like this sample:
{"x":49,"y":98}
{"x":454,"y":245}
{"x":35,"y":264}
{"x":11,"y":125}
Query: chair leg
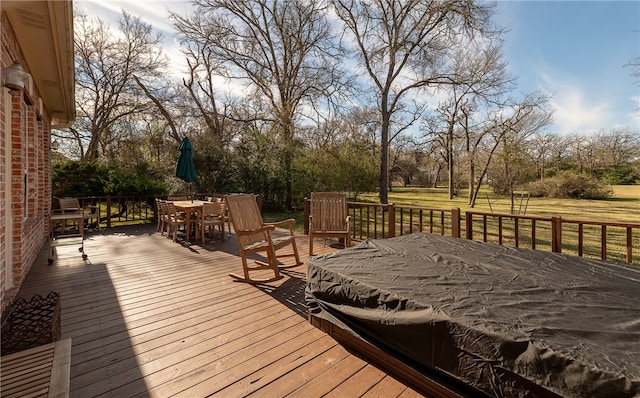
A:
{"x":310,"y":244}
{"x":271,"y":265}
{"x":245,"y":267}
{"x":273,"y":261}
{"x":295,"y":251}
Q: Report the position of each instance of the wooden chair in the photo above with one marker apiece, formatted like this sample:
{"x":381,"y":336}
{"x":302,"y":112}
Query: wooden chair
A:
{"x":163,"y":216}
{"x":70,"y":205}
{"x":174,"y":219}
{"x":167,"y":217}
{"x":211,"y":215}
{"x":177,"y":198}
{"x":329,"y":217}
{"x":218,"y":199}
{"x":159,"y":211}
{"x":93,"y":214}
{"x":254,"y":236}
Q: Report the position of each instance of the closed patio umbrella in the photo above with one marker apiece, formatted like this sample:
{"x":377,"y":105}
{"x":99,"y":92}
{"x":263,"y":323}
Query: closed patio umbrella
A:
{"x":185,"y":170}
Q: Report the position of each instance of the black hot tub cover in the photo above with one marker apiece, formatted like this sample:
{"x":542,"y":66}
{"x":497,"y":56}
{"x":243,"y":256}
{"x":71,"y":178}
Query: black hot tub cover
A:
{"x":508,"y":321}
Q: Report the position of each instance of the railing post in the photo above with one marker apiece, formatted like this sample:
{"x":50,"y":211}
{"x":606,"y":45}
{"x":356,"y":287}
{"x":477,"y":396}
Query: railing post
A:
{"x":468,"y":225}
{"x":629,"y":245}
{"x":154,"y":208}
{"x":556,"y":234}
{"x":305,"y":215}
{"x":603,"y":241}
{"x":108,"y":211}
{"x":455,"y":222}
{"x":391,"y":212}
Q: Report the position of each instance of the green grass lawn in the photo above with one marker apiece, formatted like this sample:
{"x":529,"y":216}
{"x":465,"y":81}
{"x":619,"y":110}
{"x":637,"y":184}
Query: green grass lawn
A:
{"x":624,"y":206}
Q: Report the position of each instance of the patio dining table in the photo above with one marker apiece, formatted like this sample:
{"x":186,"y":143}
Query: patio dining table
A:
{"x":189,"y":207}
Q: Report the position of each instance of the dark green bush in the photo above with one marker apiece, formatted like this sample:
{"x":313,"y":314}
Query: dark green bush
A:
{"x":620,"y":175}
{"x":74,"y":178}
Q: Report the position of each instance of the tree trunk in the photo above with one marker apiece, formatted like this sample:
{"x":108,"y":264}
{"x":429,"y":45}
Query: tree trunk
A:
{"x":450,"y":160}
{"x":384,"y":152}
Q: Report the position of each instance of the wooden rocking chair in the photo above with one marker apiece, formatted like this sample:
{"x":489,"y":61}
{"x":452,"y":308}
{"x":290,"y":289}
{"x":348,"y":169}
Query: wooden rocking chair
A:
{"x":254,"y":236}
{"x":329,"y":217}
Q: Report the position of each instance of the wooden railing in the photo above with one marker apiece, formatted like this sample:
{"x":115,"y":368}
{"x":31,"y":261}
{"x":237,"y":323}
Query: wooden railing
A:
{"x":118,"y":210}
{"x":121,"y":210}
{"x":587,"y":238}
{"x":595,"y":239}
{"x":598,"y":239}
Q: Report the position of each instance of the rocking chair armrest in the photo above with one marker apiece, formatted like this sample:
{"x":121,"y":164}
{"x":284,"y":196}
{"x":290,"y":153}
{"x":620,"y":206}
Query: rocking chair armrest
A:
{"x":288,"y":222}
{"x":265,"y":227}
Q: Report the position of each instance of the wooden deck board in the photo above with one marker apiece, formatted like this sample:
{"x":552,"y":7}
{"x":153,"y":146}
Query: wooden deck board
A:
{"x":358,"y":384}
{"x":155,"y":318}
{"x":328,"y":378}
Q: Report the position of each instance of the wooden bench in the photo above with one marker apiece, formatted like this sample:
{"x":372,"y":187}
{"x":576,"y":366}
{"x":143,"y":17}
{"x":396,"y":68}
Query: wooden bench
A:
{"x":41,"y":371}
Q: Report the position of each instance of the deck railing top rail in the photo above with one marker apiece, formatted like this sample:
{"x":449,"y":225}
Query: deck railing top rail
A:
{"x":600,"y":239}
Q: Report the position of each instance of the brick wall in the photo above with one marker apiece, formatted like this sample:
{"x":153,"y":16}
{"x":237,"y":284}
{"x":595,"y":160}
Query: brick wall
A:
{"x":25,"y":177}
{"x":3,"y":190}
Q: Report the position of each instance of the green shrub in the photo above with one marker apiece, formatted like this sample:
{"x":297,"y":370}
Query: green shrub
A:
{"x":620,"y":175}
{"x":567,"y":185}
{"x":78,"y":179}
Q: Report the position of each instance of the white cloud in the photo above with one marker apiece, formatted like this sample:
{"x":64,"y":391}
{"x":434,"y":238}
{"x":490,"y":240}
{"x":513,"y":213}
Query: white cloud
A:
{"x":635,"y":115}
{"x":155,"y":13}
{"x":574,"y":110}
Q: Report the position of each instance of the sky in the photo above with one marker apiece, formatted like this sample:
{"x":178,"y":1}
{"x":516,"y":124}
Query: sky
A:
{"x":574,"y":51}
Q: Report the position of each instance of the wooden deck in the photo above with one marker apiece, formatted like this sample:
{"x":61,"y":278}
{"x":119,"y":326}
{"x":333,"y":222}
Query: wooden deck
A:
{"x":150,"y":317}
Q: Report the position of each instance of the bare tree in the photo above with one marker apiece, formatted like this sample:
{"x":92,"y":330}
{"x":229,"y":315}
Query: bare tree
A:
{"x":280,"y":49}
{"x":481,"y":80}
{"x":159,"y":103}
{"x":548,"y":150}
{"x":618,"y":147}
{"x":511,"y":129}
{"x":105,"y":89}
{"x":204,"y":70}
{"x":403,"y":46}
{"x":404,"y":155}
